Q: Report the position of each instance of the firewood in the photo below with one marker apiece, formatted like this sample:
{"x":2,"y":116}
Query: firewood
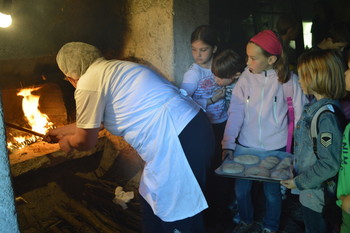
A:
{"x":55,"y":229}
{"x":127,"y":217}
{"x":79,"y":226}
{"x":89,"y":216}
{"x":108,"y":221}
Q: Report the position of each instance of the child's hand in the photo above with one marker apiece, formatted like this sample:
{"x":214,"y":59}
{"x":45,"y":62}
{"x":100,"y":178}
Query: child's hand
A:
{"x":346,"y":203}
{"x":288,"y":183}
{"x":219,"y":94}
{"x":227,"y":153}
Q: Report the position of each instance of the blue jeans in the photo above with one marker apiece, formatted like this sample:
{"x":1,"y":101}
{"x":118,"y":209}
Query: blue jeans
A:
{"x":273,"y":206}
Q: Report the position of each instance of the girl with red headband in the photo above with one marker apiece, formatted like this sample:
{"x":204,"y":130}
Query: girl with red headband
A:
{"x":258,"y":121}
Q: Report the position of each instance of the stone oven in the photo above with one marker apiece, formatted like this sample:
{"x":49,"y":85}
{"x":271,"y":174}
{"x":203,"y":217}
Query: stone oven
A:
{"x":59,"y":192}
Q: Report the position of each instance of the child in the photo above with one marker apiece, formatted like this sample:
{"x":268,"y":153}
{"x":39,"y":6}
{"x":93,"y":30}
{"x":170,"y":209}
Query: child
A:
{"x":343,"y":191}
{"x":199,"y":83}
{"x":322,"y":75}
{"x":227,"y":67}
{"x":258,"y":120}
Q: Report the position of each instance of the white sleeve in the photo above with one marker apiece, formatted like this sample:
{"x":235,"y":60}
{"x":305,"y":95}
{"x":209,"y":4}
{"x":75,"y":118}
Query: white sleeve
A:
{"x":190,"y":85}
{"x":190,"y":81}
{"x":90,"y":109}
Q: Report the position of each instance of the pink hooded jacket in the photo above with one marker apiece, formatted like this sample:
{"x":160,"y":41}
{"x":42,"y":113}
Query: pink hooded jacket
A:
{"x":258,"y":111}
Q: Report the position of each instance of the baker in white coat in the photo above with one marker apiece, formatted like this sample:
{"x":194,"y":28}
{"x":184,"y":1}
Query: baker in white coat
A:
{"x":168,"y":130}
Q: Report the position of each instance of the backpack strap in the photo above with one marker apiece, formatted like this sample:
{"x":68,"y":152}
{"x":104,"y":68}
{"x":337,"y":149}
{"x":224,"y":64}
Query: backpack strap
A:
{"x":288,"y":94}
{"x":314,"y":122}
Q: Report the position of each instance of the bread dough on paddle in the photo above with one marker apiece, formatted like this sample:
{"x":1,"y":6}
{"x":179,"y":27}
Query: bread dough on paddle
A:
{"x":246,"y":159}
{"x":285,"y":163}
{"x":257,"y":171}
{"x":233,"y":168}
{"x":269,"y":162}
{"x":282,"y":174}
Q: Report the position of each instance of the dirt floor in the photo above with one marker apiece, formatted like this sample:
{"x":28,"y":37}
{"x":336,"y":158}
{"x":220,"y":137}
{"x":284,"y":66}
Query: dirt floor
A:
{"x":71,"y":197}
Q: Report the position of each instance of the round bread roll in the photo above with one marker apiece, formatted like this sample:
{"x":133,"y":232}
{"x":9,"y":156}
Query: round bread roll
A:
{"x":281,"y":174}
{"x":269,"y":162}
{"x":257,"y":171}
{"x":233,"y":168}
{"x":246,"y":159}
{"x":285,"y":163}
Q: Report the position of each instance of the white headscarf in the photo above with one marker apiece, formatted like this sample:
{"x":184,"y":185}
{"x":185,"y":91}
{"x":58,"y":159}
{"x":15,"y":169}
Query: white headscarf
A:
{"x":74,"y":58}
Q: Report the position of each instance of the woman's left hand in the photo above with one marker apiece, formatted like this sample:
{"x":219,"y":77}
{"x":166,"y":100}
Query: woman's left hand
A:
{"x":288,"y":183}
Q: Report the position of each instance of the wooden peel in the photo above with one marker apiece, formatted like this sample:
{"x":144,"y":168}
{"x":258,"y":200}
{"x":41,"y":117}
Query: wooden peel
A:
{"x":24,"y":129}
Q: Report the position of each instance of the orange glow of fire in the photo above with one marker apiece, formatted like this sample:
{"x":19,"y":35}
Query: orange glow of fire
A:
{"x":30,"y":104}
{"x":38,"y":121}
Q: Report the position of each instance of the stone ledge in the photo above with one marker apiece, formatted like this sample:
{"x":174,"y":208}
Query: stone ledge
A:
{"x":42,"y":155}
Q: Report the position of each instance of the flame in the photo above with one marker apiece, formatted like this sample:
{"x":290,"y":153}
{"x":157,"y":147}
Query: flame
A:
{"x":38,"y":121}
{"x":30,"y":104}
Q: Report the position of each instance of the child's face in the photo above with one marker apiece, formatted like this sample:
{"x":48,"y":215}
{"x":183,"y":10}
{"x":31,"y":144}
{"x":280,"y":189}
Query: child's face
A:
{"x":226,"y":81}
{"x":257,"y":62}
{"x":347,"y":77}
{"x":202,"y":53}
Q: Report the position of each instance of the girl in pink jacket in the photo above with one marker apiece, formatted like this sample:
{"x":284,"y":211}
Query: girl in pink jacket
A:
{"x":258,"y":116}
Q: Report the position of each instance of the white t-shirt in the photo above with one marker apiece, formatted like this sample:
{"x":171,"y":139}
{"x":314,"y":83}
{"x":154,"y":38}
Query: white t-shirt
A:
{"x":149,"y":112}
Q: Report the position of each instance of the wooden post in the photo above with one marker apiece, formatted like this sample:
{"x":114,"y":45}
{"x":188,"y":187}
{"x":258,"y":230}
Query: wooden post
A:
{"x":8,"y":220}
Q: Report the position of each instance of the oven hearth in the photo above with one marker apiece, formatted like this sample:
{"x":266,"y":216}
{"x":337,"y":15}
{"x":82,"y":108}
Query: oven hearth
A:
{"x":60,"y":192}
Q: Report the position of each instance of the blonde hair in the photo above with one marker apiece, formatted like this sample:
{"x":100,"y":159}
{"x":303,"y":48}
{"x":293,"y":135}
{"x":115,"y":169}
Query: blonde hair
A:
{"x":323,"y":73}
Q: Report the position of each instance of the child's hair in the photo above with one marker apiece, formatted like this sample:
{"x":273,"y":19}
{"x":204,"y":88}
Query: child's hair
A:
{"x":227,"y":64}
{"x":270,"y":40}
{"x":206,"y":34}
{"x":323,"y":72}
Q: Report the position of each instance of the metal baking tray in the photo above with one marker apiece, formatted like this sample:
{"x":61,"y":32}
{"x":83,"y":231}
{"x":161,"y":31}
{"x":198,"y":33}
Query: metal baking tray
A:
{"x":262,"y":154}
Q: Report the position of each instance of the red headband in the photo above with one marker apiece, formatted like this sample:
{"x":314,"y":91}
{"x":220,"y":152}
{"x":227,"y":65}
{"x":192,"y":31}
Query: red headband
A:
{"x":269,"y":41}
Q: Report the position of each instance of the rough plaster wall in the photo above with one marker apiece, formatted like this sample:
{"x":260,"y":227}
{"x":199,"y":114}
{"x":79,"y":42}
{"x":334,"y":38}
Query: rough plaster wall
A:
{"x":188,"y":15}
{"x":8,"y":214}
{"x":150,"y":34}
